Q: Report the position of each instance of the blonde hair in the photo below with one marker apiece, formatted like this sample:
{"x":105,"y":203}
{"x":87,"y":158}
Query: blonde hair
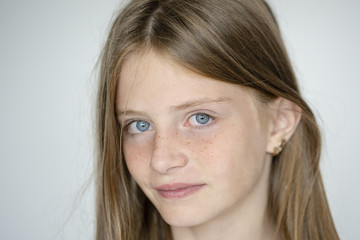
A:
{"x":235,"y":41}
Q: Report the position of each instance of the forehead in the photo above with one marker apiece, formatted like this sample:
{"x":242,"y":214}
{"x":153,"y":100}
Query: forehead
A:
{"x":150,"y":79}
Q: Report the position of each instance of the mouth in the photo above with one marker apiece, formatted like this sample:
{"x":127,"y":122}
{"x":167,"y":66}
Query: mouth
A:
{"x":178,"y":190}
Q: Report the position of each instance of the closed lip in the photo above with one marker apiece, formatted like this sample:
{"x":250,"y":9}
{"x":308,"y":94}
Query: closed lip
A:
{"x":178,"y":190}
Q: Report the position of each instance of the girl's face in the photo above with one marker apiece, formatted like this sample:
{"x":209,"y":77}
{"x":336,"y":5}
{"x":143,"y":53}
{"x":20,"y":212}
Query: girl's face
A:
{"x":194,"y":145}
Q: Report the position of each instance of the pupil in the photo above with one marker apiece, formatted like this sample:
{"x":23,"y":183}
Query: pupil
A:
{"x":142,"y":126}
{"x":202,"y":118}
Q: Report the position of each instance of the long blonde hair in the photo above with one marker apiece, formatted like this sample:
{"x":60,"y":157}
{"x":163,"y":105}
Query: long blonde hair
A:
{"x":235,"y":41}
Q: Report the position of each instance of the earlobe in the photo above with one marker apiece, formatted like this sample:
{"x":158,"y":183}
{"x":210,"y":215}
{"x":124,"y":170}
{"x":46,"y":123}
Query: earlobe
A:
{"x":285,"y":117}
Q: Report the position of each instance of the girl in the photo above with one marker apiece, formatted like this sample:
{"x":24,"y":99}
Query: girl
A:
{"x":202,"y":131}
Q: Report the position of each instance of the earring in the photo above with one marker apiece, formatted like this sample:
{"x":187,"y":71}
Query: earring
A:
{"x":279,"y":148}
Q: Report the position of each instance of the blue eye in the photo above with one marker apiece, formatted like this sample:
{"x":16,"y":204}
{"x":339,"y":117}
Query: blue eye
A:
{"x":139,"y":127}
{"x":199,"y":119}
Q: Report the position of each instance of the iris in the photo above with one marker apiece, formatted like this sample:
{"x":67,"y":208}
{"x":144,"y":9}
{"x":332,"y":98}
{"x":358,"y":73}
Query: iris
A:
{"x":142,"y":126}
{"x":202,"y":118}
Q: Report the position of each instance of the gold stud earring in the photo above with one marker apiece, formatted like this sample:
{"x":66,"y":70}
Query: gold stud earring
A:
{"x":279,"y":148}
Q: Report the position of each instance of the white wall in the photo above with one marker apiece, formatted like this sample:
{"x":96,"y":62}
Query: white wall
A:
{"x":323,"y":38}
{"x":47,"y":53}
{"x":48,"y":49}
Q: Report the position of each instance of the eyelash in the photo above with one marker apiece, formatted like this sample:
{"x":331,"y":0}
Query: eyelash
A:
{"x":127,"y":126}
{"x":187,"y":124}
{"x":201,"y":126}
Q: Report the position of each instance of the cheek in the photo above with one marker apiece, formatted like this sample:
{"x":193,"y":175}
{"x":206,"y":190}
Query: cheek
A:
{"x":236,"y":155}
{"x":202,"y":149}
{"x":136,"y":158}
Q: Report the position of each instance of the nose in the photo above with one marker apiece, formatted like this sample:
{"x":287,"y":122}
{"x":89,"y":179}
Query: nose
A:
{"x":168,"y":155}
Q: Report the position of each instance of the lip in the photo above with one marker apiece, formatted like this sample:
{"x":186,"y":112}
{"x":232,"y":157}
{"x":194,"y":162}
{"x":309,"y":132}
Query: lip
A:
{"x":178,"y":190}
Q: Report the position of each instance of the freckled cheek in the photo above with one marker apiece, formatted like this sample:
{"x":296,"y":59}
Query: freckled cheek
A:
{"x":223,"y":151}
{"x":136,"y":156}
{"x":202,"y":150}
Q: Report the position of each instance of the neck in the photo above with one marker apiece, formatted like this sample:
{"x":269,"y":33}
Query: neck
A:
{"x":226,"y":229}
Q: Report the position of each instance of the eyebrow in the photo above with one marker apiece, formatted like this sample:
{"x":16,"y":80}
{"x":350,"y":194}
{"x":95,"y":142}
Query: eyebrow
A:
{"x":183,"y":106}
{"x":198,"y":102}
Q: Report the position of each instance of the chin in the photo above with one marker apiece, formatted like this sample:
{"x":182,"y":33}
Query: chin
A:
{"x":182,"y":222}
{"x":181,"y":218}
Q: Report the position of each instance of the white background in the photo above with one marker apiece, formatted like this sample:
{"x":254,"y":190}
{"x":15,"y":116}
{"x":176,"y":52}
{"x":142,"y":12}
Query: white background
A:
{"x":48,"y":50}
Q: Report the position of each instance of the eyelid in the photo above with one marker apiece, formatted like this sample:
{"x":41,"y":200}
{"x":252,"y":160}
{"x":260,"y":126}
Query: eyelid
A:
{"x":208,"y":124}
{"x":126,"y":120}
{"x":128,"y":123}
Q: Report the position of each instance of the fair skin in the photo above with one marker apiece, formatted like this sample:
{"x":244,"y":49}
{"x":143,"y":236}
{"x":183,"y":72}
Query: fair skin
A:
{"x":199,"y":149}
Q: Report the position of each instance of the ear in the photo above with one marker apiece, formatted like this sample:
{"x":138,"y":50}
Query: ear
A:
{"x":284,"y":119}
